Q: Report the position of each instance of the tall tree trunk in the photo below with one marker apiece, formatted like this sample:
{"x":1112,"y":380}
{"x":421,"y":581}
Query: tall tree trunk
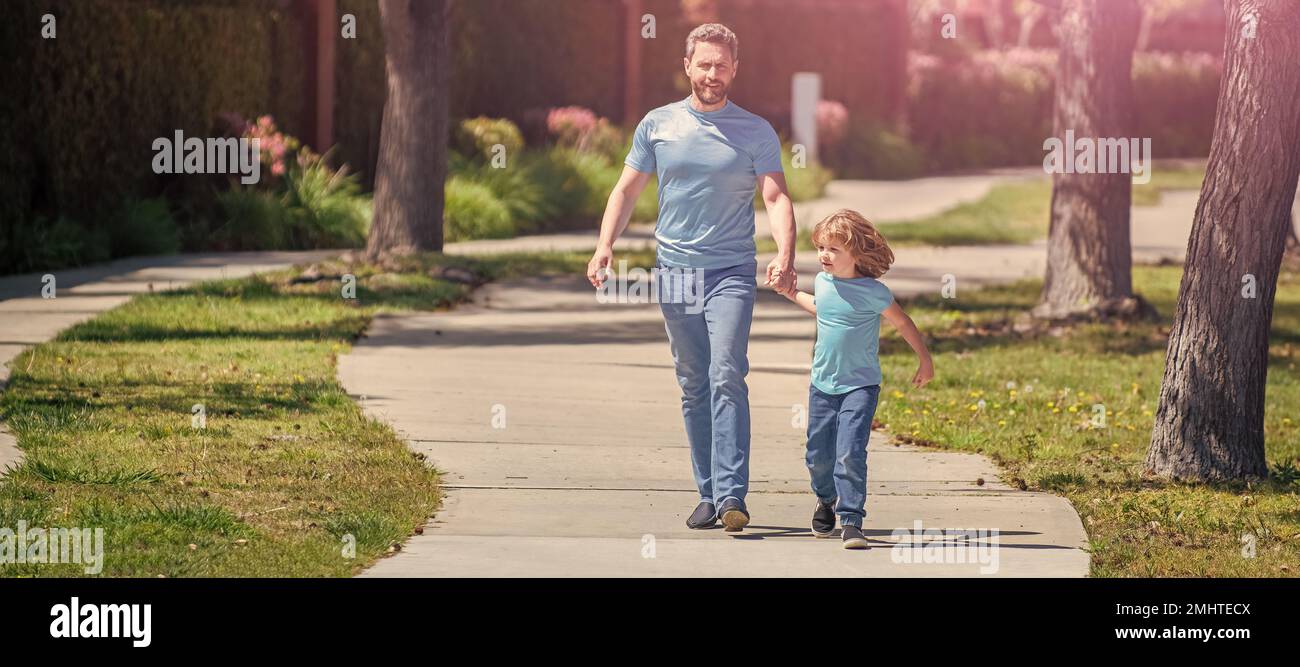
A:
{"x":1089,"y":257}
{"x":1210,"y":422}
{"x":413,"y":140}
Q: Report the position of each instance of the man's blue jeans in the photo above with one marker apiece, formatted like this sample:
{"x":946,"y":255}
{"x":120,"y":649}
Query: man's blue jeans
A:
{"x":710,"y":345}
{"x":839,"y":426}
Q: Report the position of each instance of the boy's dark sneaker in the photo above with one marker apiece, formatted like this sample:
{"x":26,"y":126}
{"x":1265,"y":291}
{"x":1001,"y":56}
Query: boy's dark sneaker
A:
{"x":734,"y":516}
{"x":704,"y":516}
{"x":854,"y":539}
{"x":823,"y":521}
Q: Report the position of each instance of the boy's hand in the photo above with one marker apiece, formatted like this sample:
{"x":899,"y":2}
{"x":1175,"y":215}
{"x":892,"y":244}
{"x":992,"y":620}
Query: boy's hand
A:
{"x":924,"y":373}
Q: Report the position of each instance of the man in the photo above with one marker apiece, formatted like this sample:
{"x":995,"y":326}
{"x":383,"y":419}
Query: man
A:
{"x":709,"y":155}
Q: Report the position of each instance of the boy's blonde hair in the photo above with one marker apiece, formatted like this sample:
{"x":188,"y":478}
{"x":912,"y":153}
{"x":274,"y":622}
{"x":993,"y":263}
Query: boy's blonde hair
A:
{"x":871,"y":253}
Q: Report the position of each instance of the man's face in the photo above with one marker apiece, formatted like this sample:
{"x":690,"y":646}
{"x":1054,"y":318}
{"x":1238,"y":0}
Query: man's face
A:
{"x":711,"y":70}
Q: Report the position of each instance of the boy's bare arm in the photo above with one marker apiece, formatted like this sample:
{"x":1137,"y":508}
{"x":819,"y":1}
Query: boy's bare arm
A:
{"x":907,"y":329}
{"x":802,"y":299}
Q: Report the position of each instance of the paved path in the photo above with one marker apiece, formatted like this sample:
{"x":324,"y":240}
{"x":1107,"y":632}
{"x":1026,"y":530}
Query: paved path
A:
{"x":27,"y":319}
{"x":892,"y":201}
{"x":590,"y":474}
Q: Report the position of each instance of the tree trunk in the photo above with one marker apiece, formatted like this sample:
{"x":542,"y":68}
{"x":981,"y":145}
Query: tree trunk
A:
{"x":1210,"y":422}
{"x":413,"y":140}
{"x":1089,"y":257}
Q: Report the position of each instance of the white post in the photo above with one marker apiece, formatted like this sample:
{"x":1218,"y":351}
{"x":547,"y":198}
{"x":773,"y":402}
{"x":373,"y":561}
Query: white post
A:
{"x":806,"y":91}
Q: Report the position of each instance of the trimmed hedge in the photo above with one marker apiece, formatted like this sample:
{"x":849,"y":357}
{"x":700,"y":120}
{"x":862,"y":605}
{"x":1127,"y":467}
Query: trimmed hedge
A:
{"x":995,"y":108}
{"x":80,"y":112}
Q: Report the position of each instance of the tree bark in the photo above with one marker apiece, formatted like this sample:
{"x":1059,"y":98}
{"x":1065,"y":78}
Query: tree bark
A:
{"x":1210,"y":422}
{"x":413,"y":140}
{"x":1089,"y":257}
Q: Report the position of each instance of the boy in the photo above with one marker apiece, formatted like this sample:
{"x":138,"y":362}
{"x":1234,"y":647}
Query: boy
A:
{"x":848,"y":301}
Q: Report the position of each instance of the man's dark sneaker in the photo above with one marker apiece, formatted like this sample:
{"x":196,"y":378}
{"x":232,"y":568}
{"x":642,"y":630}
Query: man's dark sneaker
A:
{"x":704,"y":516}
{"x":854,"y":539}
{"x":734,"y":516}
{"x":823,"y":523}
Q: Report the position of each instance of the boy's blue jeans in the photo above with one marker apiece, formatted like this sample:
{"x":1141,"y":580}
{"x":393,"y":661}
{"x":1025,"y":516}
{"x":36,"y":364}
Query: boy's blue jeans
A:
{"x":839,"y":426}
{"x":710,"y":344}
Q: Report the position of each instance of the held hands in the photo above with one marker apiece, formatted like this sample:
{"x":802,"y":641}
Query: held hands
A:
{"x":781,"y":277}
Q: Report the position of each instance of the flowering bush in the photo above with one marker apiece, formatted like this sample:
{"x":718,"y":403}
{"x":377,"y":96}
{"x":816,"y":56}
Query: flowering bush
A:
{"x":306,"y":204}
{"x":994,"y":108}
{"x":569,"y":124}
{"x":832,"y":122}
{"x":273,"y":145}
{"x":477,"y":138}
{"x":581,"y":129}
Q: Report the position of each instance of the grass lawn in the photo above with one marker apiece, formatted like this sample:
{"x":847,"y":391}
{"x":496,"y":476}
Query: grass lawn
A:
{"x":1016,"y":212}
{"x":1027,"y":400}
{"x":286,"y":465}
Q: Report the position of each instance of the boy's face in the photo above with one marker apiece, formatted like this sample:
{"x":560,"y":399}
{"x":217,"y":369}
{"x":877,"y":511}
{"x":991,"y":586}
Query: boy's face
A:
{"x":835,"y":259}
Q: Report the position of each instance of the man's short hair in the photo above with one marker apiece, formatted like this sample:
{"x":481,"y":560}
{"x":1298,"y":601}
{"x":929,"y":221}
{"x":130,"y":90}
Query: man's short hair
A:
{"x":715,"y":33}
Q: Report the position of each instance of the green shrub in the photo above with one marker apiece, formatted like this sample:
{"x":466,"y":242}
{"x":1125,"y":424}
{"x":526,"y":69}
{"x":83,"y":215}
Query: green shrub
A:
{"x":517,"y":187}
{"x":143,"y":227}
{"x":37,"y":244}
{"x":326,"y":207}
{"x":250,"y":219}
{"x":992,"y":109}
{"x":477,"y":137}
{"x":315,"y":207}
{"x":872,"y":150}
{"x":472,"y":211}
{"x":806,"y":182}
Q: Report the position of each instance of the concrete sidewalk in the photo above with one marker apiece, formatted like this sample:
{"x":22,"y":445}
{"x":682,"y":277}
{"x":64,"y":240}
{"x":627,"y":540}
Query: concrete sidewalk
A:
{"x":27,"y":319}
{"x":556,"y":421}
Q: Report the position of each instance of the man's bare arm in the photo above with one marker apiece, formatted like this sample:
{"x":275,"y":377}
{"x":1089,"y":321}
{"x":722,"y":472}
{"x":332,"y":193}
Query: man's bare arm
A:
{"x":618,"y":212}
{"x":780,"y":216}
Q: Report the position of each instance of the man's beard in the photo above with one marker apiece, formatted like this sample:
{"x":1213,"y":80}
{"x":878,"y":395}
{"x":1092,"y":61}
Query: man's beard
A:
{"x":709,"y":95}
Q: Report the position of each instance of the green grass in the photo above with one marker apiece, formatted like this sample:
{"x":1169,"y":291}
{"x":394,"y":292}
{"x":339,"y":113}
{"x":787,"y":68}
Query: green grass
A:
{"x":1039,"y":390}
{"x":286,"y":466}
{"x":1010,"y":213}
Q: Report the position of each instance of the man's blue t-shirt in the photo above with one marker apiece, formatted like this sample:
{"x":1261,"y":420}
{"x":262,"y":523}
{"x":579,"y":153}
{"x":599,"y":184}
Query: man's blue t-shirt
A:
{"x":847,"y":355}
{"x":708,"y":163}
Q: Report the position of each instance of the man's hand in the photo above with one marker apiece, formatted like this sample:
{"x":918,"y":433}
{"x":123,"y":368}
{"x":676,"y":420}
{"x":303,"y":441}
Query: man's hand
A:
{"x":781,"y":275}
{"x":924,"y":373}
{"x":598,"y":268}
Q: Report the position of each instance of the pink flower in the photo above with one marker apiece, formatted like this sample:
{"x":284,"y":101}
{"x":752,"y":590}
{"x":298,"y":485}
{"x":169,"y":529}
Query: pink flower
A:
{"x":832,"y":122}
{"x":562,"y":121}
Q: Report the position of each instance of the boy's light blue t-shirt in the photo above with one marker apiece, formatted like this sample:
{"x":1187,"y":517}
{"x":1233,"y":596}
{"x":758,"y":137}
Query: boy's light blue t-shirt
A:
{"x":847,"y":354}
{"x":708,"y":163}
